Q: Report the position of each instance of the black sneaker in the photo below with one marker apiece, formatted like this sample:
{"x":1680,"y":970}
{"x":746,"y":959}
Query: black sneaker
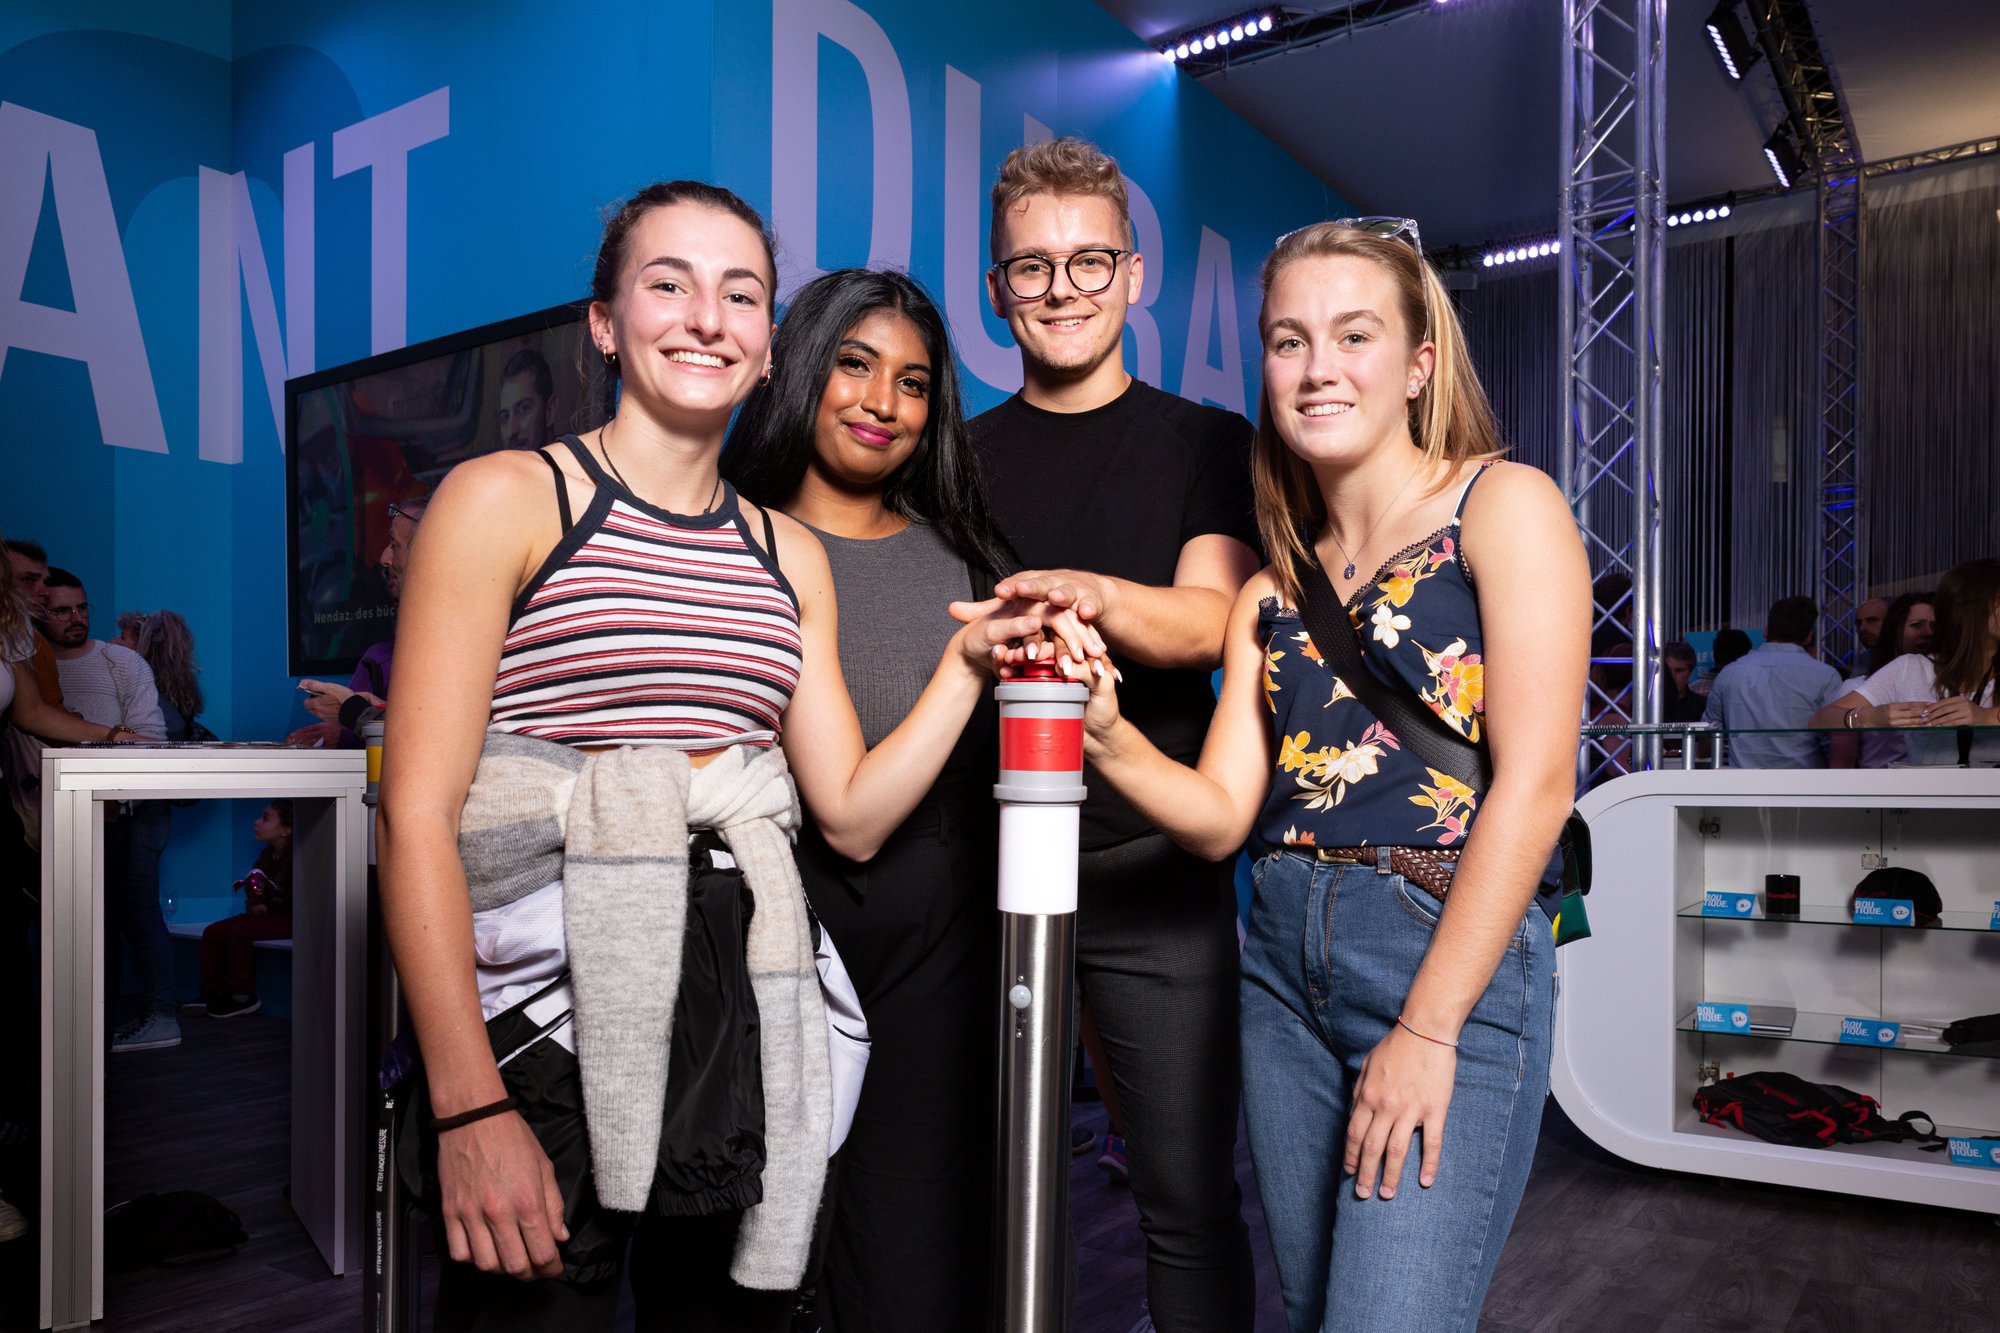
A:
{"x":228,"y":1006}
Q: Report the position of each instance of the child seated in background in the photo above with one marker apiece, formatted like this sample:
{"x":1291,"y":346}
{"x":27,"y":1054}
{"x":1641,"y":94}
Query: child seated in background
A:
{"x":228,"y":968}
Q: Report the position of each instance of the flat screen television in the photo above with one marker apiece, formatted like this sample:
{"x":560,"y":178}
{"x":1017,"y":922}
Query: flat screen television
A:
{"x":364,"y":436}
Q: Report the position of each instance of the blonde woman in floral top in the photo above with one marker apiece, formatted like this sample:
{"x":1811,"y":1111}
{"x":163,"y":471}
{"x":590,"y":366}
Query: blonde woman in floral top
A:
{"x":1378,"y":1010}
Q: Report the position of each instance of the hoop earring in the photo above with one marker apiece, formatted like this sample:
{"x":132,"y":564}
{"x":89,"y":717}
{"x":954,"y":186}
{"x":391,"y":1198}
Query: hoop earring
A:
{"x":764,"y":380}
{"x":610,"y":360}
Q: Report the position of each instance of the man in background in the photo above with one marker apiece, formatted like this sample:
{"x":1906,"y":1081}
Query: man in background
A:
{"x":1780,"y":685}
{"x":114,"y":687}
{"x":370,"y":681}
{"x":527,"y":401}
{"x":1868,"y":622}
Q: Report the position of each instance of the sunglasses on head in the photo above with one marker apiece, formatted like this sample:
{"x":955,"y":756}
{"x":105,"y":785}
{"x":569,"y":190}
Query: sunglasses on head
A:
{"x":1399,"y":229}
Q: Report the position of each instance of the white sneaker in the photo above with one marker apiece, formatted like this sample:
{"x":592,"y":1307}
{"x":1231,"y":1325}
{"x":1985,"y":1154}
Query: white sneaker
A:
{"x":13,"y":1225}
{"x":151,"y":1033}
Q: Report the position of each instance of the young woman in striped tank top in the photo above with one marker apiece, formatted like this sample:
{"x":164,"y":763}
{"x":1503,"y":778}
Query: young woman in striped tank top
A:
{"x":1398,"y":989}
{"x":629,"y":599}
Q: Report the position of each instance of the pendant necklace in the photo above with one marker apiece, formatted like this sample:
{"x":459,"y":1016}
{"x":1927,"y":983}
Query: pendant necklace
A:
{"x":604,"y":447}
{"x":1348,"y":572}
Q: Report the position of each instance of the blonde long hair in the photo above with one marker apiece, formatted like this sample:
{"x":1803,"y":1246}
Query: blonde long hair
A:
{"x":16,"y":629}
{"x":1450,"y":418}
{"x":167,"y":644}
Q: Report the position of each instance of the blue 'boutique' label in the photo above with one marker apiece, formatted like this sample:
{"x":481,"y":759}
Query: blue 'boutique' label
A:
{"x":1884,"y":912}
{"x":1869,"y":1032}
{"x":1717,"y":903}
{"x":1711,"y":1016}
{"x":1995,"y":923}
{"x":1981,"y":1153}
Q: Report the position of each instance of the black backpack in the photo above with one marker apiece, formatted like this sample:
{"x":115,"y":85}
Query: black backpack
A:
{"x":1784,"y":1108}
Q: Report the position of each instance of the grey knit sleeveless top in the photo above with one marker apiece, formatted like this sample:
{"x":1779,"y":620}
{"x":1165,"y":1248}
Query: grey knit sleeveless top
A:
{"x":892,"y":593}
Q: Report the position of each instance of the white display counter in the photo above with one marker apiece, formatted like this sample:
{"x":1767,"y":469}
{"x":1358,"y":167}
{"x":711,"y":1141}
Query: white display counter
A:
{"x":1627,"y":1057}
{"x":329,"y":960}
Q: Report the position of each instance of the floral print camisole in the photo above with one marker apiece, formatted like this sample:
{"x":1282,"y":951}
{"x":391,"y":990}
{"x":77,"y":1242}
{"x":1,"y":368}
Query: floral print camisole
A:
{"x":1343,"y":778}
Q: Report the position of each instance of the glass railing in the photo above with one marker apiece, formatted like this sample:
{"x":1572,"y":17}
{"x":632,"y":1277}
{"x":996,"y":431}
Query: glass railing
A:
{"x":1701,"y":744}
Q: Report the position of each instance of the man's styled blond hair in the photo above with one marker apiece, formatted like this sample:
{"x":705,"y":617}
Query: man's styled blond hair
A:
{"x":1057,"y":166}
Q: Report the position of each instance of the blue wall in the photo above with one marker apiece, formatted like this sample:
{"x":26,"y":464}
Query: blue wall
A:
{"x":409,"y":171}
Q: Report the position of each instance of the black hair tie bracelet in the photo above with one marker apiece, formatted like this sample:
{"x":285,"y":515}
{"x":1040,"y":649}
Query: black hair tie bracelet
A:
{"x":464,"y":1118}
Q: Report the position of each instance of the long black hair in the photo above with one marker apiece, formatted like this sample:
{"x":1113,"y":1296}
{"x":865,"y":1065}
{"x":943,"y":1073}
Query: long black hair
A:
{"x":772,"y":440}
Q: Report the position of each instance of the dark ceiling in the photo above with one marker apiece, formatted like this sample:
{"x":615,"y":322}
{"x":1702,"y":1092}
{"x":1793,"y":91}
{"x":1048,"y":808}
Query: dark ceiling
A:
{"x":1452,"y":115}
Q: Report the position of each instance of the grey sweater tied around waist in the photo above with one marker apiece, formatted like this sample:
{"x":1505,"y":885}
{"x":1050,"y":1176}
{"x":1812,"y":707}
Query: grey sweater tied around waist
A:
{"x":613,"y":827}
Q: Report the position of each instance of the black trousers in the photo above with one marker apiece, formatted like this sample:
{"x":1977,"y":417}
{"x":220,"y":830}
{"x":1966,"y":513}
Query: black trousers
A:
{"x":1156,"y":960}
{"x":680,"y":1284}
{"x":910,"y":1248}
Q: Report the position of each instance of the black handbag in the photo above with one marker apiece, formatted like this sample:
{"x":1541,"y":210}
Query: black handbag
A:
{"x":1338,"y":639}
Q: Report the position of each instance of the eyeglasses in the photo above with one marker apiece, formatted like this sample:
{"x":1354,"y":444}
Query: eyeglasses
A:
{"x":397,"y":511}
{"x":1393,"y":228}
{"x":1030,"y":277}
{"x":65,"y":612}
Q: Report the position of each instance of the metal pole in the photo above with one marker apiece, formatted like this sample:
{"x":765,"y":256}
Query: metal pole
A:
{"x":390,"y":1295}
{"x":1040,"y":793}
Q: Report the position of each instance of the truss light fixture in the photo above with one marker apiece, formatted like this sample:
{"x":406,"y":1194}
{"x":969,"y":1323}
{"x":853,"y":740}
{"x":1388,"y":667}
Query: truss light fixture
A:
{"x":1732,"y":43}
{"x":1783,"y":155}
{"x":1689,"y":217}
{"x":1500,"y":256}
{"x":1210,"y":36}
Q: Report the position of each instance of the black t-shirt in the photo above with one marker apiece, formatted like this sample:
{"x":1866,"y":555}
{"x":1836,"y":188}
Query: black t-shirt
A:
{"x":1119,"y":490}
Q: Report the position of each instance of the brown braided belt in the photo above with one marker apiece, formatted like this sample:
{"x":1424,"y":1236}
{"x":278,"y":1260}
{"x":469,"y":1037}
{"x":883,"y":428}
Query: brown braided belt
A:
{"x":1429,"y":868}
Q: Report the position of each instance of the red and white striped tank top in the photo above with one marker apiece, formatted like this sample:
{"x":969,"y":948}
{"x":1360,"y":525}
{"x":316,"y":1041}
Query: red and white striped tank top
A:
{"x":649,"y":628}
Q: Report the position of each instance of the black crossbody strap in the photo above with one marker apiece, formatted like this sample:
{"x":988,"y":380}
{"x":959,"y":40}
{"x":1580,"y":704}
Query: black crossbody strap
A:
{"x":1416,"y":726}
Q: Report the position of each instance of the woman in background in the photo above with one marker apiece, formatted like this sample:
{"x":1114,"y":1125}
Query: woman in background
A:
{"x":1908,"y":626}
{"x":167,"y":644}
{"x":1949,"y":685}
{"x":860,"y":435}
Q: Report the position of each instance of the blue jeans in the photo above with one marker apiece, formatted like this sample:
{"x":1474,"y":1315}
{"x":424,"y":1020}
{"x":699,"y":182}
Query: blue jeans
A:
{"x":1330,"y":955}
{"x":132,"y":847}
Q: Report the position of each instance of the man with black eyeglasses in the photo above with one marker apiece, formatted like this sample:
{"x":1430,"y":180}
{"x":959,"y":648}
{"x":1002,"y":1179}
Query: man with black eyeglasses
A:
{"x":101,"y":682}
{"x":1133,"y":507}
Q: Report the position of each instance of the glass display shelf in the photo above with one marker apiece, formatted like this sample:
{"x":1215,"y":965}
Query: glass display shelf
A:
{"x":1827,"y":915}
{"x":1824,"y":1030}
{"x":1905,"y":1151}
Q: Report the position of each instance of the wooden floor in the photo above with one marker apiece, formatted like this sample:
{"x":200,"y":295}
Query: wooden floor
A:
{"x":1600,"y":1245}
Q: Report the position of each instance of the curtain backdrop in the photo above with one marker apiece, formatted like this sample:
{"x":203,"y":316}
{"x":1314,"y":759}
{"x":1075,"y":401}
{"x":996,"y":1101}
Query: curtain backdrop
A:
{"x":1739,"y":487}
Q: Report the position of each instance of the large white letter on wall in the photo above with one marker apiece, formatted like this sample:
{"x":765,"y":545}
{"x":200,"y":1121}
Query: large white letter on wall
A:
{"x":1214,"y":308}
{"x":229,"y":246}
{"x":103,"y":330}
{"x":965,"y":240}
{"x":382,"y":144}
{"x":1152,"y":244}
{"x":796,"y":27}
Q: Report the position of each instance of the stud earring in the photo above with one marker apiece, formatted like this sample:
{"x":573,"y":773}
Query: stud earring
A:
{"x":1415,"y":386}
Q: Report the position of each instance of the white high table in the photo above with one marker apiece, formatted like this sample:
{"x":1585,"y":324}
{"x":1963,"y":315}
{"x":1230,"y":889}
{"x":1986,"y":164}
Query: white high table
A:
{"x":329,"y":961}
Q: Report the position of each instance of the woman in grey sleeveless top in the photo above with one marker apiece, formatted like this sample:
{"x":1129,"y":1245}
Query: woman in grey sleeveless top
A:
{"x":861,"y":436}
